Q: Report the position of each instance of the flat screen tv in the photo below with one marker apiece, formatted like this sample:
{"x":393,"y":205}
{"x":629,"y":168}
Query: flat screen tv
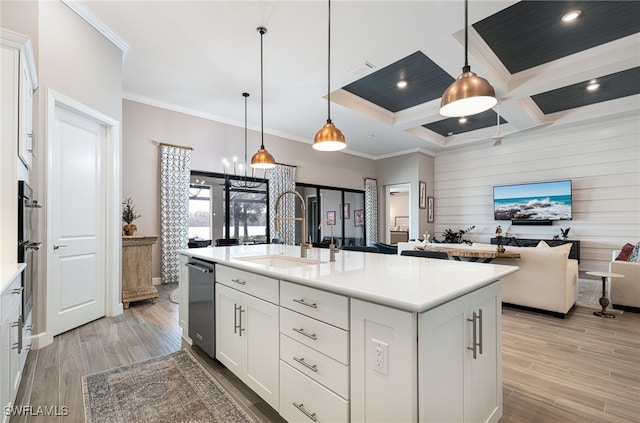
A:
{"x":533,"y":202}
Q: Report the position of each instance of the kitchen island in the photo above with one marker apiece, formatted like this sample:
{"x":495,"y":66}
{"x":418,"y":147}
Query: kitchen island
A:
{"x":369,"y":337}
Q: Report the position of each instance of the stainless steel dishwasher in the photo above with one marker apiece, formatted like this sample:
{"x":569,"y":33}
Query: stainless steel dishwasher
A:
{"x":202,"y":305}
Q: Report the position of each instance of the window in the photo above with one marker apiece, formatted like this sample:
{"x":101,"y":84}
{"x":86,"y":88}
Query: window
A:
{"x":225,"y":206}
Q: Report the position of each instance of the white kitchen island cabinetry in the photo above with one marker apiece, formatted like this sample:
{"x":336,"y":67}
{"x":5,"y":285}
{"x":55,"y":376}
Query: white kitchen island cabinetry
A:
{"x":368,"y":337}
{"x":247,"y":330}
{"x":473,"y":373}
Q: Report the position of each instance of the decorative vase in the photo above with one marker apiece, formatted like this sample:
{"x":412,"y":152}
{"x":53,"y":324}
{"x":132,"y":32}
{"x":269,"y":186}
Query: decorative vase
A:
{"x":129,"y":229}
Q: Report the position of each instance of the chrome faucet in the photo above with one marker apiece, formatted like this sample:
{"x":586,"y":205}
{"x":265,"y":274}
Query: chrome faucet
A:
{"x":304,"y":246}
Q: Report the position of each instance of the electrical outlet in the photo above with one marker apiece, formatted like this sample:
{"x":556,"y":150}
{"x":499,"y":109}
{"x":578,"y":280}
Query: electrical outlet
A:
{"x":380,"y":356}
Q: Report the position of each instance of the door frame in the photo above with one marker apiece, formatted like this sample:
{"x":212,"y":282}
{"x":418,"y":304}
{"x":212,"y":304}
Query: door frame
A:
{"x":387,"y":212}
{"x":113,"y":232}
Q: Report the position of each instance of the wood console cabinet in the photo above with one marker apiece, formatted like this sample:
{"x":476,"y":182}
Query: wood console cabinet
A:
{"x":136,"y":269}
{"x":399,"y":236}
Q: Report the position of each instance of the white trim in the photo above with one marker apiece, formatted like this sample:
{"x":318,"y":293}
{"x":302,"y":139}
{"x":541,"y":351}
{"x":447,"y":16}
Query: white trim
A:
{"x":22,"y":42}
{"x":98,"y":24}
{"x":113,"y":237}
{"x":156,"y":281}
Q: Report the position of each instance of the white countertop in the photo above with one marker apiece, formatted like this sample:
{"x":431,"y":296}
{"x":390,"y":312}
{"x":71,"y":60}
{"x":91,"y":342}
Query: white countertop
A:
{"x":8,"y":273}
{"x":408,"y":283}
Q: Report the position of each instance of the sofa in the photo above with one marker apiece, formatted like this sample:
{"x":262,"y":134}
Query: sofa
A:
{"x":547,"y":279}
{"x":625,"y":292}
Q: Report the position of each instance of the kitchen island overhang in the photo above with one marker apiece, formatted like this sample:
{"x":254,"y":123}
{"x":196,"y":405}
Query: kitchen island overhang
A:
{"x":407,"y":283}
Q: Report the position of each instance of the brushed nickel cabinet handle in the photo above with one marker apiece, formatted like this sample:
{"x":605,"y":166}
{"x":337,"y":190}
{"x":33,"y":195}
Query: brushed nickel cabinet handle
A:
{"x":475,"y":339}
{"x":303,"y":302}
{"x":235,"y":318}
{"x":480,"y":330}
{"x":239,"y":281}
{"x":300,"y":407}
{"x":311,"y":367}
{"x":301,"y":331}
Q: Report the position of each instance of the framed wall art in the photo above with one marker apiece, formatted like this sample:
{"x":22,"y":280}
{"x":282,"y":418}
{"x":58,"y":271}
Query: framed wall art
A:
{"x":358,"y":218}
{"x":422,"y":194}
{"x":346,"y":211}
{"x":430,"y":210}
{"x":331,"y":217}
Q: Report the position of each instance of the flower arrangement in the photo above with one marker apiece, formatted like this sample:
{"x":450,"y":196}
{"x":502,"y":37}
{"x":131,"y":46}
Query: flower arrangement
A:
{"x":129,"y":214}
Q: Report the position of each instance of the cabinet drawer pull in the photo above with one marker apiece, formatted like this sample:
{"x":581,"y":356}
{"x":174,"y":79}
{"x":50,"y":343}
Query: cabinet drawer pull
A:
{"x":236,"y":326}
{"x":311,"y":367}
{"x":477,"y":346}
{"x":239,"y":281}
{"x":16,"y":291}
{"x":480,"y":330}
{"x":300,"y":407}
{"x":303,"y":302}
{"x":308,"y":335}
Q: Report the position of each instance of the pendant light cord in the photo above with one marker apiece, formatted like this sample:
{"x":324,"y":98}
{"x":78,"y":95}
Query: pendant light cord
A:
{"x":329,"y":67}
{"x":466,"y":67}
{"x":262,"y":31}
{"x":245,"y":95}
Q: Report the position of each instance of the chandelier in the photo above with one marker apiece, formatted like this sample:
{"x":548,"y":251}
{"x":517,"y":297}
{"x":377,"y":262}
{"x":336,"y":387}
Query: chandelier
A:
{"x":241,"y":179}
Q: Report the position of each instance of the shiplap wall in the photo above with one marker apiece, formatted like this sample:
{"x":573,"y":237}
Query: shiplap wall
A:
{"x":602,"y":159}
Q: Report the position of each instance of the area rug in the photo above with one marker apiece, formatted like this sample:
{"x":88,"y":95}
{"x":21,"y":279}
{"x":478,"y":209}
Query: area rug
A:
{"x":170,"y":388}
{"x":589,"y":293}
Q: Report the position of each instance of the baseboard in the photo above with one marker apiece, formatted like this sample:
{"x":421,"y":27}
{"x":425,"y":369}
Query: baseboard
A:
{"x":156,"y":281}
{"x":40,"y":340}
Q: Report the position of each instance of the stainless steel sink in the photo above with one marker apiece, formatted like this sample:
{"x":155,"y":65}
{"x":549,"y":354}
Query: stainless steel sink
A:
{"x":282,"y":262}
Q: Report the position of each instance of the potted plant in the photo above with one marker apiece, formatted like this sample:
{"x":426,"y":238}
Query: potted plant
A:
{"x":128,"y":216}
{"x":451,"y":237}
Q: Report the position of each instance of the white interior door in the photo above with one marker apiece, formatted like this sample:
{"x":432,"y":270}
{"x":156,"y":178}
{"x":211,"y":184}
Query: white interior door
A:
{"x":76,"y":248}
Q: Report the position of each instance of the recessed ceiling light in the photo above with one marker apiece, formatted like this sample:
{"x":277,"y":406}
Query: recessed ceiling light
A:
{"x":371,"y":136}
{"x":462,"y":120}
{"x":571,"y":15}
{"x":401,"y":84}
{"x":593,"y":85}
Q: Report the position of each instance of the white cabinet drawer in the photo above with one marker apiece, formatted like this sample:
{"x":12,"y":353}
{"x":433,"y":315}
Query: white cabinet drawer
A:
{"x":257,"y":285}
{"x":321,"y":305}
{"x":305,"y":401}
{"x":11,"y":295}
{"x":320,"y":336}
{"x":327,"y":371}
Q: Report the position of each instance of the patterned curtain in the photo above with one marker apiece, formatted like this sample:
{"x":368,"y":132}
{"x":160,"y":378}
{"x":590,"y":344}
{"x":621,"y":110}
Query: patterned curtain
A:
{"x":281,"y":179}
{"x":371,"y":210}
{"x":175,"y":170}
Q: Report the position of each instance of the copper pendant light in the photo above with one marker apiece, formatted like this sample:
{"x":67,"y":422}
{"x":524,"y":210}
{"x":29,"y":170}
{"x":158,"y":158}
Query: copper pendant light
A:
{"x":329,"y":138}
{"x":262,"y":159}
{"x":469,"y":94}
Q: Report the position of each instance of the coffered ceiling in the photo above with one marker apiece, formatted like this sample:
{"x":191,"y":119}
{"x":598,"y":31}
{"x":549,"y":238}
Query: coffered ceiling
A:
{"x":200,"y":56}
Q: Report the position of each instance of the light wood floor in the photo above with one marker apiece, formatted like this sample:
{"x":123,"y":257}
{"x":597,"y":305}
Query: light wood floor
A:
{"x":580,"y":369}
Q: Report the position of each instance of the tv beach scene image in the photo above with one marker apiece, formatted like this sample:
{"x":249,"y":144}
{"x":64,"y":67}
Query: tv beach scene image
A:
{"x":537,"y":201}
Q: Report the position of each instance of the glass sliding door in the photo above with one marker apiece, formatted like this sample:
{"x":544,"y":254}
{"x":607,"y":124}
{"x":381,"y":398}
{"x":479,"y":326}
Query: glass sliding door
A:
{"x":248,"y":213}
{"x":223,"y":207}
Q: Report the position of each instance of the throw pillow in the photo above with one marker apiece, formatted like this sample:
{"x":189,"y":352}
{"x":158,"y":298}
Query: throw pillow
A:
{"x":542,"y":244}
{"x":625,"y":252}
{"x":634,"y":254}
{"x":565,"y":248}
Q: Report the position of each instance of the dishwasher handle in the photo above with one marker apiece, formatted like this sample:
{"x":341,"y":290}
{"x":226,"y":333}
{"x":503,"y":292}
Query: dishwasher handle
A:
{"x":203,"y":269}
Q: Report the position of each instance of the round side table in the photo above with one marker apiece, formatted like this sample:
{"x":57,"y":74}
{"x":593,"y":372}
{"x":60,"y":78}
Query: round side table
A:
{"x":604,"y":301}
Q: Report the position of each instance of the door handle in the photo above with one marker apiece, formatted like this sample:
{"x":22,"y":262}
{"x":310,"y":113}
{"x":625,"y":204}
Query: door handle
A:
{"x":55,"y":247}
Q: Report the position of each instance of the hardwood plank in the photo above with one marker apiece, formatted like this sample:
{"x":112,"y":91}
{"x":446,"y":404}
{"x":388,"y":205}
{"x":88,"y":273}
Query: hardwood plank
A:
{"x":579,"y":369}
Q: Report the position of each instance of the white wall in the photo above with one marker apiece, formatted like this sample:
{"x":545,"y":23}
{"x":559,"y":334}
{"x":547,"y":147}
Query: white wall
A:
{"x":410,"y":169}
{"x":211,"y":142}
{"x":601,"y":159}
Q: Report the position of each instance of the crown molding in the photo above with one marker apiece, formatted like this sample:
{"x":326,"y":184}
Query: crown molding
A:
{"x":98,"y":24}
